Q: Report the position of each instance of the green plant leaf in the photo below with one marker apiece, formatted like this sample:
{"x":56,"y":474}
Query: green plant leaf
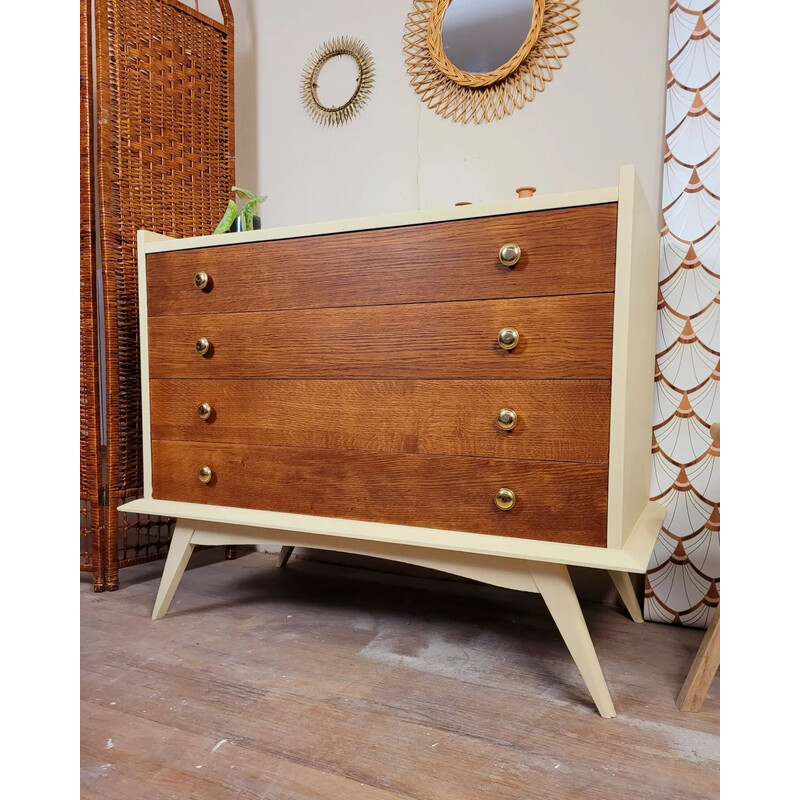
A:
{"x":247,"y":214}
{"x":243,"y":193}
{"x":248,"y":195}
{"x":249,"y":211}
{"x":227,"y":218}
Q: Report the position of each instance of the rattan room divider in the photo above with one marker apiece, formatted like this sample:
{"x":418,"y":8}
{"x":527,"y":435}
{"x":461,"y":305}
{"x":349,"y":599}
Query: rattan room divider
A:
{"x":157,"y":152}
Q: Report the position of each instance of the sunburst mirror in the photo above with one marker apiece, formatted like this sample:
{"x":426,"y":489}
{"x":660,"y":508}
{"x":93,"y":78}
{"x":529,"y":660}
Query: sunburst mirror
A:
{"x":337,"y":80}
{"x":479,"y":60}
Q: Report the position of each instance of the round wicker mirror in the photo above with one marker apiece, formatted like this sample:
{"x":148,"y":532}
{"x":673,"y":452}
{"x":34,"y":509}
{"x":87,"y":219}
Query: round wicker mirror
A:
{"x":464,"y":96}
{"x":479,"y":36}
{"x":461,"y":16}
{"x":344,"y":108}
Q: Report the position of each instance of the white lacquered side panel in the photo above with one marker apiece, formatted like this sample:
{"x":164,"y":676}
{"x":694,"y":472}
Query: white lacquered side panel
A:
{"x":633,"y":356}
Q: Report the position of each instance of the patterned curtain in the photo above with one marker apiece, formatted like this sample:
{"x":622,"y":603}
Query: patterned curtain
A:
{"x":682,"y":582}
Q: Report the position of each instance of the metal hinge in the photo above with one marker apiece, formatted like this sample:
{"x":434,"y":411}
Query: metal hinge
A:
{"x":103,"y":497}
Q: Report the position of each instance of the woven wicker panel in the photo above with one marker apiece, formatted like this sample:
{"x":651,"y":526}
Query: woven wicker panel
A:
{"x":165,"y":160}
{"x":92,"y":522}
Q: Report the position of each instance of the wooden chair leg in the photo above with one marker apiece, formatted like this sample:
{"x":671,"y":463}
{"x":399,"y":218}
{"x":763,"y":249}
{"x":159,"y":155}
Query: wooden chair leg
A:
{"x":624,"y":585}
{"x":703,"y":669}
{"x":283,"y":556}
{"x":555,"y":586}
{"x":180,"y":549}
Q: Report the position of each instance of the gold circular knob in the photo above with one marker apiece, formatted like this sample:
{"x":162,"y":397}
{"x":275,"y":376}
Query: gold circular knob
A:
{"x":204,"y":474}
{"x":204,"y":410}
{"x":201,"y":280}
{"x":505,"y":499}
{"x":202,"y":345}
{"x":508,"y":338}
{"x":506,"y":419}
{"x":509,"y":254}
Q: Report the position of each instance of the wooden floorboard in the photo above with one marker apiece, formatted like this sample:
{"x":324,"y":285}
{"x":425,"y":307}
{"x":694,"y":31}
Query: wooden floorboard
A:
{"x":322,"y":681}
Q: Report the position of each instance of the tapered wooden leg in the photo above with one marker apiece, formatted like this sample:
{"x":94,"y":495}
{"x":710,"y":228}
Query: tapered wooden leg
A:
{"x":703,"y":669}
{"x":283,"y":556}
{"x":624,"y":586}
{"x":180,"y":549}
{"x":555,"y":586}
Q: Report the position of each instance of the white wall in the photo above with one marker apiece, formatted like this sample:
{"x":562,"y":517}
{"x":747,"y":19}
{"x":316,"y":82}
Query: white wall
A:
{"x":604,"y":108}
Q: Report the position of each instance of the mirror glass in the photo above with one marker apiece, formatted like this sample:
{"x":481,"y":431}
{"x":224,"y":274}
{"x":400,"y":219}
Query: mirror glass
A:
{"x":481,"y":35}
{"x":337,"y":81}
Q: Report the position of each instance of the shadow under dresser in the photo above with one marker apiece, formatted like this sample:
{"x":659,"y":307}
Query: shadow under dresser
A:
{"x":468,"y":389}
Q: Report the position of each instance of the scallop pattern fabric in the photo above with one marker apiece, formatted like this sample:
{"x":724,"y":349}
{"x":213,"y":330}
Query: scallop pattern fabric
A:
{"x":682,"y":581}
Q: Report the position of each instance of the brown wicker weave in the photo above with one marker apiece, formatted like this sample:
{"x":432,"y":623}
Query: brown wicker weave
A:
{"x":165,"y":162}
{"x":92,"y":521}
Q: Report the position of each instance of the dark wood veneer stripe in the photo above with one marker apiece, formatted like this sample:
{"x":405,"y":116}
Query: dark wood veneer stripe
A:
{"x":564,"y":251}
{"x":555,"y":501}
{"x":557,"y":420}
{"x":565,"y":337}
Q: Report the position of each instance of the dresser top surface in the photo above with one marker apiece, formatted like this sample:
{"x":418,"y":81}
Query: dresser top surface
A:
{"x":156,"y":243}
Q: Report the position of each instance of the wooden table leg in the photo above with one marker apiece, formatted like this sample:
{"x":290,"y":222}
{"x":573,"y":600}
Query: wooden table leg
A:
{"x":622,"y":581}
{"x":180,"y":549}
{"x":703,"y":669}
{"x":283,"y":556}
{"x":555,"y":586}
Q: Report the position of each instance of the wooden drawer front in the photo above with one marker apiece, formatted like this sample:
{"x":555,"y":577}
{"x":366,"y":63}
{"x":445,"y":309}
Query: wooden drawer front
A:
{"x":560,"y":337}
{"x":556,"y":420}
{"x":564,"y":251}
{"x":555,"y":501}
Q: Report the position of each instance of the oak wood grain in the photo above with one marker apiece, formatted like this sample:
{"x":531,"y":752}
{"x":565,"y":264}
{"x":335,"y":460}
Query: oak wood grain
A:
{"x":556,"y":501}
{"x":556,"y":420}
{"x":564,"y":251}
{"x":560,"y":337}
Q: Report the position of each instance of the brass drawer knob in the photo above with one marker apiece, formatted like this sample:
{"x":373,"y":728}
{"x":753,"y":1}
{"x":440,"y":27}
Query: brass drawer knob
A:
{"x":505,"y":499}
{"x":204,"y":410}
{"x":201,"y":280}
{"x":506,"y":419}
{"x":202,"y":345}
{"x":204,"y":474}
{"x":510,"y":254}
{"x":508,"y":338}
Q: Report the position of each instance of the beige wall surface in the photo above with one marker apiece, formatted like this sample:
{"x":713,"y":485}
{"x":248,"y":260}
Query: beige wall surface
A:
{"x":604,"y":108}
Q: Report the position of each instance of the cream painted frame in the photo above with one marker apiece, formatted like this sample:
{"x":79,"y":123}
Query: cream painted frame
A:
{"x":633,"y":519}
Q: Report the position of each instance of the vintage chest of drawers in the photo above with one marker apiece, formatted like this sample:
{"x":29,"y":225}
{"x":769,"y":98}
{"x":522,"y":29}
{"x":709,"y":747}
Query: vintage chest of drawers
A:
{"x":468,"y":389}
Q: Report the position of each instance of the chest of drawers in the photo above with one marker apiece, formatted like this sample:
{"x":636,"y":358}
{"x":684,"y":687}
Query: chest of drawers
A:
{"x":468,"y":389}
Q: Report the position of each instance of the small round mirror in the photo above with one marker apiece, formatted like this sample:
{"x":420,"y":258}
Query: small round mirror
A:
{"x":337,"y":81}
{"x":479,"y":36}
